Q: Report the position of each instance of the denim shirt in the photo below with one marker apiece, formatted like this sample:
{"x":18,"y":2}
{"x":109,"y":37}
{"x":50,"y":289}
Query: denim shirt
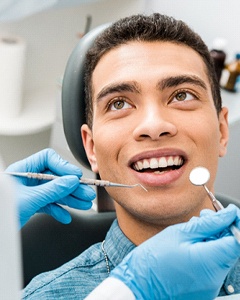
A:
{"x":77,"y":278}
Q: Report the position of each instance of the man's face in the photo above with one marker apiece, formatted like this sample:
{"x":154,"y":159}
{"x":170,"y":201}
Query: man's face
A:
{"x":154,"y":120}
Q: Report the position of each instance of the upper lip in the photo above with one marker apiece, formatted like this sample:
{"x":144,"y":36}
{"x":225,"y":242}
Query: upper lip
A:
{"x":157,"y":158}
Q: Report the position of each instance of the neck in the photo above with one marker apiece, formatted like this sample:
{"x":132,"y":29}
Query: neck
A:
{"x":139,"y":230}
{"x":136,"y":229}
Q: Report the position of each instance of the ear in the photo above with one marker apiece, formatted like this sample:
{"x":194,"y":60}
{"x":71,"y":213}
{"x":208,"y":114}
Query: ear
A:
{"x":224,"y":133}
{"x":88,"y":144}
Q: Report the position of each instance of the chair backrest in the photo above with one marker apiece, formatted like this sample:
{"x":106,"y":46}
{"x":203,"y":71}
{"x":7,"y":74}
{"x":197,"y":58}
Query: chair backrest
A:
{"x":226,"y":200}
{"x":73,"y":95}
{"x":73,"y":107}
{"x":48,"y":244}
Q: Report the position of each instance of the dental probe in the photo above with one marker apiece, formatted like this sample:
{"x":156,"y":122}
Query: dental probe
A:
{"x":82,"y":180}
{"x":200,"y":176}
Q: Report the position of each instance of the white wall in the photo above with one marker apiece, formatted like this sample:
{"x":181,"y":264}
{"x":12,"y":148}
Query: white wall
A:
{"x":210,"y":18}
{"x":51,"y":36}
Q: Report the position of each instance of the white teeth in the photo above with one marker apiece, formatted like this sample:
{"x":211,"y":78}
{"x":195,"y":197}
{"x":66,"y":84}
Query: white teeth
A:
{"x":155,"y":163}
{"x":176,"y":160}
{"x":140,"y":165}
{"x":136,"y":167}
{"x":170,"y":161}
{"x":146,"y":164}
{"x":162,"y":162}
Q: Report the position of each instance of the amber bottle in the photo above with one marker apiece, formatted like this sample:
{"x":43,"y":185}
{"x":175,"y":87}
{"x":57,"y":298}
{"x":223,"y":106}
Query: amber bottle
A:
{"x":230,"y":75}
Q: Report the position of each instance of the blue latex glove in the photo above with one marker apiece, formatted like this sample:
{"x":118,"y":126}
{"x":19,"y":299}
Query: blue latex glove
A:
{"x":44,"y":196}
{"x":184,"y":261}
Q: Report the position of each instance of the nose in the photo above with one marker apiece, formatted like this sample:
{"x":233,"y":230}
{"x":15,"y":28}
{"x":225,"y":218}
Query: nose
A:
{"x":154,"y":123}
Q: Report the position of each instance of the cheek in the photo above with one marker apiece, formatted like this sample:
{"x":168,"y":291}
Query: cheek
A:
{"x":202,"y":137}
{"x":206,"y":136}
{"x":213,"y":137}
{"x":205,"y":129}
{"x":107,"y":145}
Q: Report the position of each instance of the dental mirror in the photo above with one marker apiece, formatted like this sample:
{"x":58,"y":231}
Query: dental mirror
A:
{"x":199,"y":176}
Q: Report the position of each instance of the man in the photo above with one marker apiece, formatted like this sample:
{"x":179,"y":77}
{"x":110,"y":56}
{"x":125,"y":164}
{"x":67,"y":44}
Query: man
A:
{"x":153,"y":114}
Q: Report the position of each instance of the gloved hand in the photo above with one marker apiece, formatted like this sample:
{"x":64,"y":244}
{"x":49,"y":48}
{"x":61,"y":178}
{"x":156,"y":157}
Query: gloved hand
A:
{"x":184,"y":261}
{"x":44,"y":196}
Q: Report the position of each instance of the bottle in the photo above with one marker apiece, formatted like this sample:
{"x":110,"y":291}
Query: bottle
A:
{"x":218,"y":55}
{"x":230,"y":75}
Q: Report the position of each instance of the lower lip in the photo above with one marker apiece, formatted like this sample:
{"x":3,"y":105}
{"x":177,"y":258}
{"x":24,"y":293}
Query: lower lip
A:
{"x":154,"y":180}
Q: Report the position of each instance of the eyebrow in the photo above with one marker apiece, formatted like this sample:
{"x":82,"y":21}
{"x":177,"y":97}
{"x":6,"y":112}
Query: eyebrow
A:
{"x":133,"y":86}
{"x":119,"y":87}
{"x":177,"y":80}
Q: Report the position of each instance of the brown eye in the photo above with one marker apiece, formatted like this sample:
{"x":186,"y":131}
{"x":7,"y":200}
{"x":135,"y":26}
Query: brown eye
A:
{"x":118,"y":104}
{"x":181,"y":96}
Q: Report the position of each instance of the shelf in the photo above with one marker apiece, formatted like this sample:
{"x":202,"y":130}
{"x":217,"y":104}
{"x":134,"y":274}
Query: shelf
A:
{"x":232,"y":102}
{"x":38,"y":114}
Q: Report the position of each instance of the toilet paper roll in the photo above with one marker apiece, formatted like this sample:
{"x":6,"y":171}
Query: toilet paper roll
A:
{"x":12,"y":63}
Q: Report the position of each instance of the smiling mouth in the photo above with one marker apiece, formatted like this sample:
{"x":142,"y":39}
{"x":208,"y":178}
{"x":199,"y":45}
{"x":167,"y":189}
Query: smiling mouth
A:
{"x":159,"y":165}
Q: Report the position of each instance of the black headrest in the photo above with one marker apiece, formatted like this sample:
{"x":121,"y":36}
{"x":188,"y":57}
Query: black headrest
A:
{"x":73,"y":95}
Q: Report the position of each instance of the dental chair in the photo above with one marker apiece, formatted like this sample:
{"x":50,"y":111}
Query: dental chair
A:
{"x":46,"y":243}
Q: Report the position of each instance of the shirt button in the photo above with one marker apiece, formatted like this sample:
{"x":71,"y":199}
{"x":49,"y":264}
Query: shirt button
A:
{"x":230,"y":289}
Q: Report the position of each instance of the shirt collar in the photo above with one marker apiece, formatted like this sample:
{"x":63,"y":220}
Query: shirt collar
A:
{"x":117,"y":245}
